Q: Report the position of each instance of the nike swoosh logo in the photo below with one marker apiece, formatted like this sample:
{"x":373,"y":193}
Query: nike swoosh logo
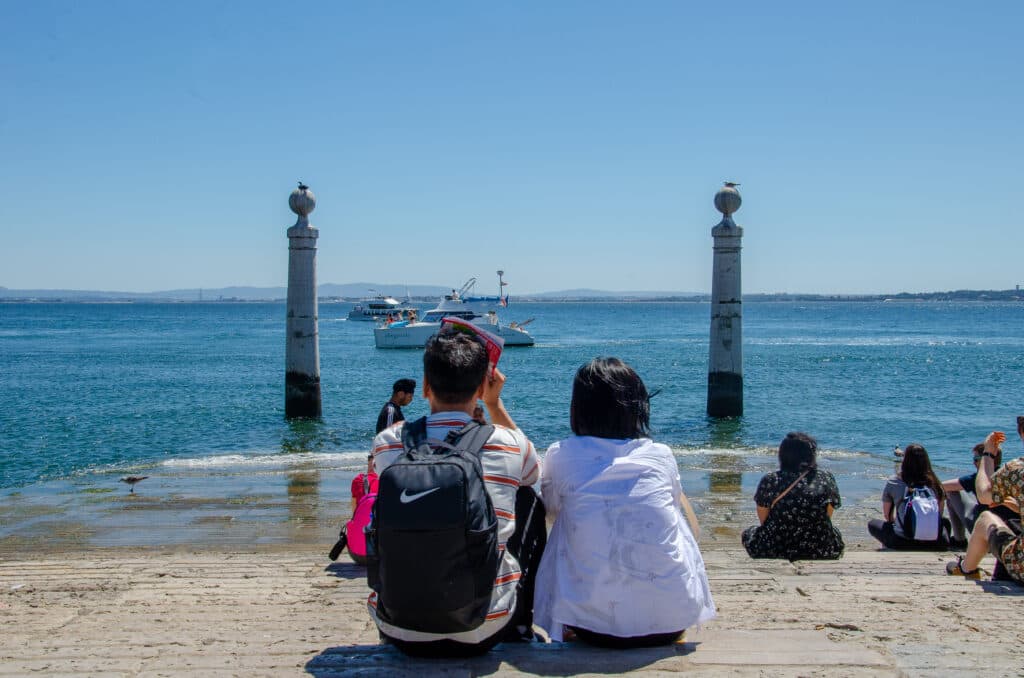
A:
{"x":406,"y":498}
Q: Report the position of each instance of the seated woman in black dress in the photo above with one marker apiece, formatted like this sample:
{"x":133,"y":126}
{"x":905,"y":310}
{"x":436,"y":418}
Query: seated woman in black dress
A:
{"x":795,"y":505}
{"x":915,"y":472}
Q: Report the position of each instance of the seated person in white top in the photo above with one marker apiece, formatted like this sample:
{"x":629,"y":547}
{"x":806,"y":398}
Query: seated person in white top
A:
{"x":455,"y":367}
{"x":622,"y":567}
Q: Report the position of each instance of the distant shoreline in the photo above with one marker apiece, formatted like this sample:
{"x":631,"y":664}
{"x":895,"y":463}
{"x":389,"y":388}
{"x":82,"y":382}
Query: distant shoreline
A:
{"x":958,"y":296}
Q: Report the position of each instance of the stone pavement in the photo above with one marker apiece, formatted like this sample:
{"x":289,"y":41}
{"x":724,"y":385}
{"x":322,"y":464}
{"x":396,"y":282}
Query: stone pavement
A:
{"x":277,"y":612}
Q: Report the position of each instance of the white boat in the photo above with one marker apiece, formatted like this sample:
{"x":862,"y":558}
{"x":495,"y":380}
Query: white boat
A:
{"x":378,"y":307}
{"x":482,"y":311}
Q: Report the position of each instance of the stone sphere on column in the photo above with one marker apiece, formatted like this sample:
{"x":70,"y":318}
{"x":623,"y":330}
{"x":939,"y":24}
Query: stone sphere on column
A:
{"x":302,"y":201}
{"x":728,"y":200}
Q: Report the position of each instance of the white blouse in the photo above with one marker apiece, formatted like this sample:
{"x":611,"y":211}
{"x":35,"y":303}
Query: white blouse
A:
{"x":621,"y":559}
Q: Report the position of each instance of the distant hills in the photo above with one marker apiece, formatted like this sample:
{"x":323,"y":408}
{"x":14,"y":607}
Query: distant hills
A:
{"x":579,"y":294}
{"x":358,"y":290}
{"x":347,"y":291}
{"x":430,"y":293}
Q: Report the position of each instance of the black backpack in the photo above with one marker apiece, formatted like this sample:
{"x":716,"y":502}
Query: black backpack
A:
{"x":432,"y":549}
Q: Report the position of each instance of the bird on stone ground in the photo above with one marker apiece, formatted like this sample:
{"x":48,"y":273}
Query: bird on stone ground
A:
{"x":131,"y":480}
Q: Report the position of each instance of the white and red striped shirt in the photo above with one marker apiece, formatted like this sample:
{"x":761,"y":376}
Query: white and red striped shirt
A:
{"x":508,"y":460}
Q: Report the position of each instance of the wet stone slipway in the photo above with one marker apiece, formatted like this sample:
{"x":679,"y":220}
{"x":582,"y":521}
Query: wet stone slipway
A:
{"x":282,"y":612}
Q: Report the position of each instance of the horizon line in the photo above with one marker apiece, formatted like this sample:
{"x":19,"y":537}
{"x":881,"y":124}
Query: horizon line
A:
{"x":19,"y":293}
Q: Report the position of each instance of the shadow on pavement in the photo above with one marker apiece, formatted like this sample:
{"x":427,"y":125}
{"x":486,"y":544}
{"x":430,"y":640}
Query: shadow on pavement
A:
{"x":547,"y":659}
{"x":346,"y":570}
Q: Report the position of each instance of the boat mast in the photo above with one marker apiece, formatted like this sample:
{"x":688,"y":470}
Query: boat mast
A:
{"x":502,"y":297}
{"x":464,"y":290}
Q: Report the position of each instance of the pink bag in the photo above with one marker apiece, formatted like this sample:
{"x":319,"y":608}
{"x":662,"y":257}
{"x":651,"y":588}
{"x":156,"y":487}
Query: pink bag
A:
{"x":353,"y":535}
{"x":354,"y":529}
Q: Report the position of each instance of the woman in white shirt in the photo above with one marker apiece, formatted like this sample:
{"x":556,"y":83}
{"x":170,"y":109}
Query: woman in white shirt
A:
{"x":622,"y":567}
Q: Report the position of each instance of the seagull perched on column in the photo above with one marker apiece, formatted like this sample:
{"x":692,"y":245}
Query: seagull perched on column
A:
{"x":131,"y":480}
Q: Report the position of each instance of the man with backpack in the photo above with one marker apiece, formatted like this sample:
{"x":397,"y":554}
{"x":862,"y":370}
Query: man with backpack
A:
{"x":457,"y":532}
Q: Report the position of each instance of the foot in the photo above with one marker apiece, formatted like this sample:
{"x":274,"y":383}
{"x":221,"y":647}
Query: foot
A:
{"x":956,"y":567}
{"x":957,"y":544}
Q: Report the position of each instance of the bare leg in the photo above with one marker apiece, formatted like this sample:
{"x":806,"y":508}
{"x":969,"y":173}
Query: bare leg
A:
{"x":977,"y":547}
{"x":691,"y":517}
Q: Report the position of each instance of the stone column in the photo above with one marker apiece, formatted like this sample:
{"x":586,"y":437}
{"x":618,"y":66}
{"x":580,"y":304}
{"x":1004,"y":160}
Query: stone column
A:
{"x":725,"y":366}
{"x":302,"y":346}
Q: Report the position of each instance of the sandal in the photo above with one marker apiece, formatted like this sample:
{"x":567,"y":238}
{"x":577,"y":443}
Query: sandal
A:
{"x":956,"y":567}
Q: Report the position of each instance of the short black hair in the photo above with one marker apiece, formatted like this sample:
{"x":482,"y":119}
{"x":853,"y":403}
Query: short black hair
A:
{"x":454,"y":366}
{"x":609,"y":400}
{"x":404,"y":386}
{"x":798,"y":452}
{"x":979,"y":450}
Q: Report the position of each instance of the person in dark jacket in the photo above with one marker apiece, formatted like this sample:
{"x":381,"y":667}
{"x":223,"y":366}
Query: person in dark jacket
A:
{"x":962,"y":517}
{"x":401,"y":394}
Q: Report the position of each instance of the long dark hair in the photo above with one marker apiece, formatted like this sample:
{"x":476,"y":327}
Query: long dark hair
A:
{"x":798,"y":452}
{"x":916,"y":469}
{"x":609,"y":400}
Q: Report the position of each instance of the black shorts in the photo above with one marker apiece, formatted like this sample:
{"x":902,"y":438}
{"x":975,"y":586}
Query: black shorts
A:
{"x":998,"y":537}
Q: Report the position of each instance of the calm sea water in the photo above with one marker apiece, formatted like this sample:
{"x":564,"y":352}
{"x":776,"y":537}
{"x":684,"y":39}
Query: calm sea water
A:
{"x":108,"y":388}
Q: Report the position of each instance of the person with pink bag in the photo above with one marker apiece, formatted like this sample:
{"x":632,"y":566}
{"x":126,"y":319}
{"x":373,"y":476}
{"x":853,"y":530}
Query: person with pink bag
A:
{"x":353,"y":535}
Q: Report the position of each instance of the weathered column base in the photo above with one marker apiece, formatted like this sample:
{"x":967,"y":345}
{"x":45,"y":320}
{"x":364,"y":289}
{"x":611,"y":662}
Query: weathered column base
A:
{"x":301,"y":396}
{"x":725,"y":394}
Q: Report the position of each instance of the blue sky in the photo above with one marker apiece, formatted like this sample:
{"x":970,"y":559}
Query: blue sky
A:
{"x":148,"y":146}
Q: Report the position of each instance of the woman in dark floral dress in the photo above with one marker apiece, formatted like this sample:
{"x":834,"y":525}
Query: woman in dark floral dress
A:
{"x":796,"y":524}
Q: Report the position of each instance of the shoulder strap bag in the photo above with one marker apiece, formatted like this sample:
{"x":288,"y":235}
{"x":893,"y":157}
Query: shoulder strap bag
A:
{"x":786,"y":491}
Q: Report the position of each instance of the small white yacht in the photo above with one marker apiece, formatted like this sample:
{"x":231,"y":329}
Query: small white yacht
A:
{"x":378,"y":307}
{"x":482,"y":311}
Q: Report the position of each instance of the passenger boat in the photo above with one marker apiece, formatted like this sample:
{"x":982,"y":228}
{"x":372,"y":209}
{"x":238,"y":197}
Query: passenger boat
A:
{"x":482,"y":311}
{"x":378,"y":307}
